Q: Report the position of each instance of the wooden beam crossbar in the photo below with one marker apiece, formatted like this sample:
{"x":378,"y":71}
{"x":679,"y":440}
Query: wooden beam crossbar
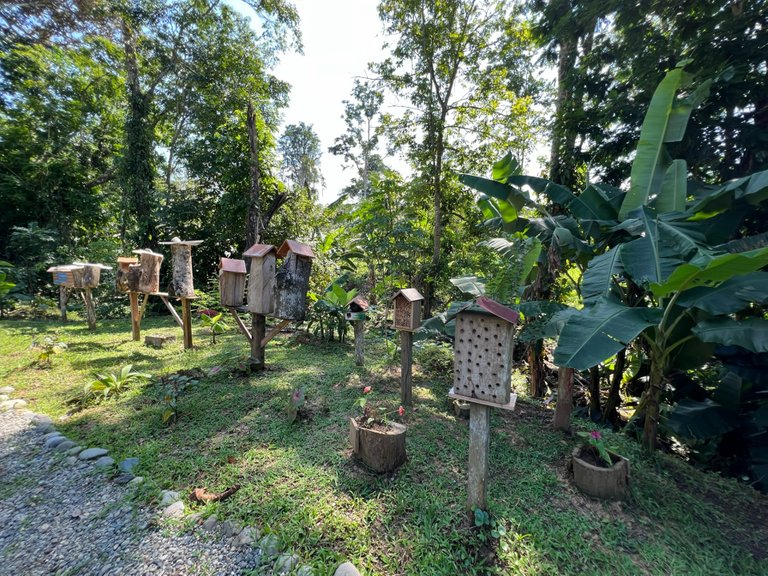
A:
{"x":274,"y":332}
{"x":171,"y":309}
{"x":240,"y":325}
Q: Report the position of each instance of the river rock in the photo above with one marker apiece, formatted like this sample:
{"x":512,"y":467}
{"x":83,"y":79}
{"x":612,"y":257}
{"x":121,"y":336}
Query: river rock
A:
{"x":54,"y":441}
{"x":92,"y":453}
{"x":247,"y":536}
{"x":65,"y":446}
{"x":270,"y":546}
{"x":230,"y":528}
{"x":168,"y":497}
{"x":305,"y":571}
{"x":175,"y":510}
{"x":347,"y":569}
{"x":210,"y":523}
{"x":74,"y":451}
{"x":284,"y":564}
{"x":128,"y":465}
{"x":7,"y":390}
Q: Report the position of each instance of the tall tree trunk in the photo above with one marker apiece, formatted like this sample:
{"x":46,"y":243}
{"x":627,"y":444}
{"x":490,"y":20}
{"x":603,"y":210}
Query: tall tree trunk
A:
{"x":561,"y":168}
{"x":564,"y":406}
{"x":594,"y":393}
{"x":611,"y":409}
{"x":652,"y":400}
{"x":138,"y":171}
{"x":254,"y":225}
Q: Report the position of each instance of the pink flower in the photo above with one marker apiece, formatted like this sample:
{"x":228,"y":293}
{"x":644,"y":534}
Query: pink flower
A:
{"x":297,"y":394}
{"x":208,"y":312}
{"x":595,"y":434}
{"x":401,"y":411}
{"x":366,"y":390}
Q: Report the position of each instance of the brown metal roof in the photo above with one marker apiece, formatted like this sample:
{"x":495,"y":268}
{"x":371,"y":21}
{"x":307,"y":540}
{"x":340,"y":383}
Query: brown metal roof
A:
{"x":259,"y":250}
{"x":411,"y":294}
{"x":360,"y":301}
{"x":296,"y":247}
{"x":232,"y":265}
{"x":498,"y":310}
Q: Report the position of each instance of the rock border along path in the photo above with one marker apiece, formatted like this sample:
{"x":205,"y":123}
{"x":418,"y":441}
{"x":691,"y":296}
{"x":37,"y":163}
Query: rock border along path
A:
{"x":61,"y":514}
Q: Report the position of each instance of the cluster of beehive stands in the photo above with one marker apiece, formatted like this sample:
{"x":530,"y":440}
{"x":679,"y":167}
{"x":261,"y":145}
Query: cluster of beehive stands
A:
{"x":141,"y":276}
{"x":280,"y":293}
{"x":81,"y":277}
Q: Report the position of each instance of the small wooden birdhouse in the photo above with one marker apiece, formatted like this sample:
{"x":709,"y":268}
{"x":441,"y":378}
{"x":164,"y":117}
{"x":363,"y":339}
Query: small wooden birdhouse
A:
{"x":261,"y":281}
{"x":91,"y":273}
{"x":407,"y":309}
{"x":69,"y":276}
{"x":149,"y":271}
{"x":292,"y":280}
{"x":482,"y":360}
{"x":357,"y":308}
{"x":182,"y":285}
{"x":121,"y":276}
{"x":231,"y":281}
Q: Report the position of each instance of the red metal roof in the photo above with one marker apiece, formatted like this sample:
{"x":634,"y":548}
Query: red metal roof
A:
{"x":498,"y":310}
{"x":232,"y":265}
{"x":296,"y":247}
{"x":127,"y":260}
{"x":411,"y":294}
{"x":360,"y":301}
{"x":259,"y":250}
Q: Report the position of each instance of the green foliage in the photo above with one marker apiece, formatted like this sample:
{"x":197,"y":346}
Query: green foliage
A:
{"x":173,"y":387}
{"x":111,"y":385}
{"x":490,"y":528}
{"x":214,"y":323}
{"x":296,"y":402}
{"x":47,"y":347}
{"x":328,"y":310}
{"x":596,"y":441}
{"x":435,"y":359}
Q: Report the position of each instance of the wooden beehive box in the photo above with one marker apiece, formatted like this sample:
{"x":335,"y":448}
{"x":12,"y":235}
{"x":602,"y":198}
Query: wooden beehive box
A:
{"x":121,"y":276}
{"x":149,"y":271}
{"x":292,"y":280}
{"x":482,"y":361}
{"x":91,"y":273}
{"x":407,"y":309}
{"x":357,"y":308}
{"x":69,"y":276}
{"x":231,"y":281}
{"x":182,"y":282}
{"x":261,"y":280}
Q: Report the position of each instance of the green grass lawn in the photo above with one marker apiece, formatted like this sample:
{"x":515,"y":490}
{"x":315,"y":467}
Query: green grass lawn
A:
{"x":300,"y":482}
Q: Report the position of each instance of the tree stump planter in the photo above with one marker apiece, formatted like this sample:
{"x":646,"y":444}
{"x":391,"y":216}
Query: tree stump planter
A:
{"x":605,"y":483}
{"x":382,"y":450}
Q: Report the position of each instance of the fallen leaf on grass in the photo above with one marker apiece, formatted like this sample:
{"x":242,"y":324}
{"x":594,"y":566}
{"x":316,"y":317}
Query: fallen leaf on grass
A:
{"x":202,"y":495}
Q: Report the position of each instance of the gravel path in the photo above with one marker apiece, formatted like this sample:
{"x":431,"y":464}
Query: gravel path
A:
{"x":59,"y":515}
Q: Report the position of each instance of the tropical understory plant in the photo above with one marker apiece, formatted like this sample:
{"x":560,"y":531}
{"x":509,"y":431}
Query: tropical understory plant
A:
{"x":666,"y":266}
{"x":111,"y":385}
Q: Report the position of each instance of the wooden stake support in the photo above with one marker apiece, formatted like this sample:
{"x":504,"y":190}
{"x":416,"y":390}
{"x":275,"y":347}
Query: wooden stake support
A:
{"x":479,"y":444}
{"x":171,"y":309}
{"x":359,"y":327}
{"x":274,"y":332}
{"x":258,"y":329}
{"x":406,"y":361}
{"x":186,"y":322}
{"x":90,"y":309}
{"x":239,"y":323}
{"x":63,"y":297}
{"x":135,"y":316}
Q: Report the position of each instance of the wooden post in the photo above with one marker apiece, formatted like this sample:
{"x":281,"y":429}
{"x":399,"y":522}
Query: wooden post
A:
{"x":406,"y":360}
{"x":258,"y":331}
{"x":63,"y":297}
{"x":359,"y":326}
{"x":135,"y":316}
{"x":479,"y":444}
{"x":90,"y":309}
{"x":564,"y":406}
{"x":186,"y":323}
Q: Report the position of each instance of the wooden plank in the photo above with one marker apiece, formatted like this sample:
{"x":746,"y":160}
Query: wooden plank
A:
{"x":258,"y":327}
{"x":274,"y":332}
{"x":63,"y":297}
{"x":135,"y":316}
{"x":90,"y":309}
{"x":171,"y":309}
{"x":509,"y":406}
{"x":406,"y":362}
{"x":186,"y":318}
{"x":479,"y":444}
{"x":359,"y":327}
{"x":142,"y":305}
{"x":239,"y":322}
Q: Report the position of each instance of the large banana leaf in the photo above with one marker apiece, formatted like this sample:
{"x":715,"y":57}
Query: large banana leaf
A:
{"x":599,"y":332}
{"x":694,"y":420}
{"x":731,"y":296}
{"x":496,"y":189}
{"x":711,"y":272}
{"x":752,"y":189}
{"x":598,"y":277}
{"x":751,"y":334}
{"x":470,"y":285}
{"x":658,"y":253}
{"x":671,"y":198}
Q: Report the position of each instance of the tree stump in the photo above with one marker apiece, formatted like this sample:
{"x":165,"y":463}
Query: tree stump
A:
{"x":149,"y":281}
{"x":381,"y":450}
{"x":606,"y":483}
{"x":291,"y":286}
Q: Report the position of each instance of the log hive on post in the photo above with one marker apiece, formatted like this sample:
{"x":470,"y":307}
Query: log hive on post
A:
{"x":121,"y":275}
{"x":90,"y":279}
{"x":149,"y":271}
{"x":406,"y":319}
{"x":261,"y":281}
{"x":182,"y":283}
{"x":231,"y":281}
{"x":358,"y":306}
{"x":292,"y":280}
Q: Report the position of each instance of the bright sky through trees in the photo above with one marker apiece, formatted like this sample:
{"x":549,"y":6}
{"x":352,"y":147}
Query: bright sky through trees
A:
{"x":340,"y":38}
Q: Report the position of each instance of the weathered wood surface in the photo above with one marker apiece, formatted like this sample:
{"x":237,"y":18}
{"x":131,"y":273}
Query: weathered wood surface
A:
{"x":182,"y":284}
{"x":479,"y":444}
{"x":149,"y":280}
{"x":186,"y":322}
{"x":77,"y":276}
{"x":382,"y":451}
{"x":564,"y":406}
{"x":121,"y":275}
{"x":158,"y":341}
{"x":258,"y":329}
{"x":291,"y":285}
{"x":359,"y":327}
{"x":90,"y":309}
{"x":406,"y":363}
{"x":231,"y":288}
{"x":63,"y":298}
{"x":133,"y":277}
{"x":261,"y":285}
{"x":274,"y":332}
{"x":135,"y":316}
